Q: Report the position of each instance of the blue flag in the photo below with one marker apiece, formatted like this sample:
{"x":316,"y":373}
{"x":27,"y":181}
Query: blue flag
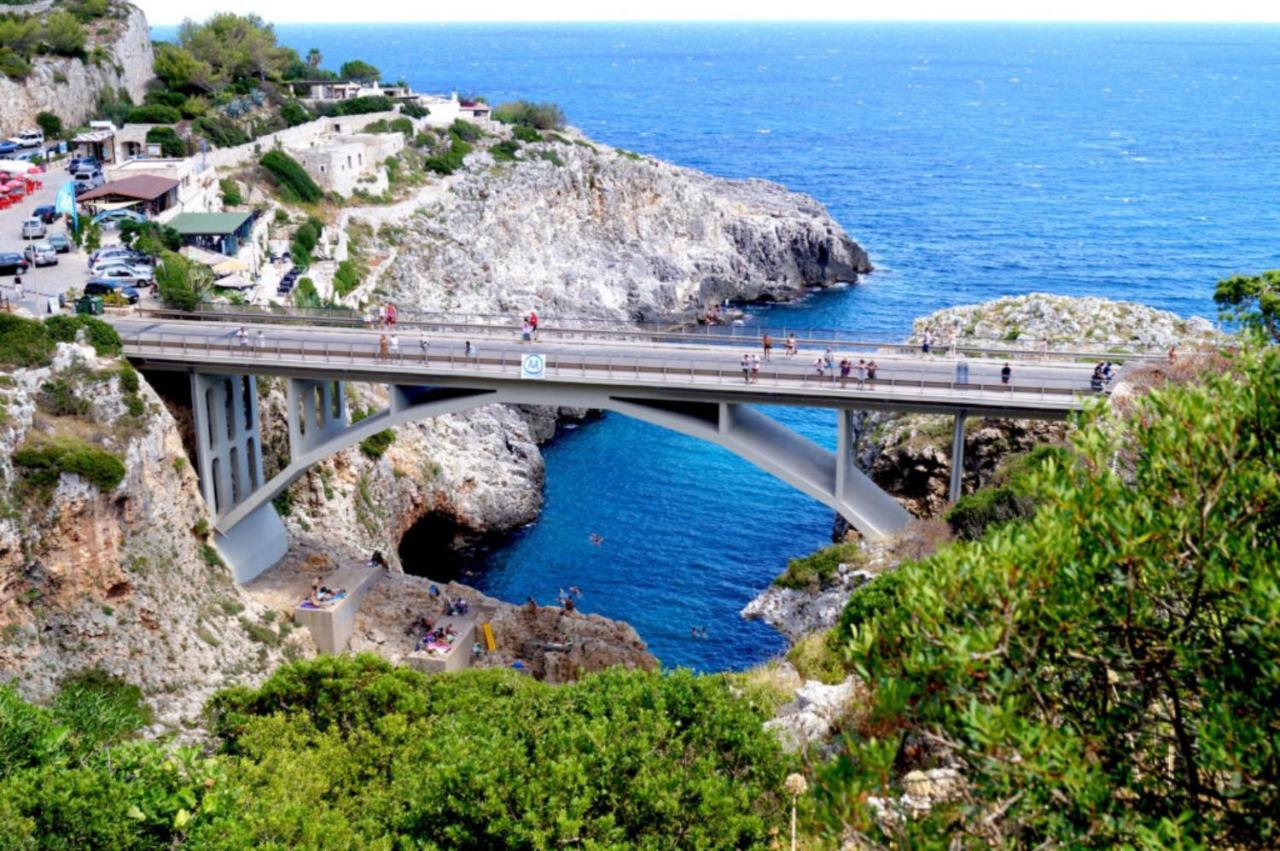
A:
{"x":66,"y":202}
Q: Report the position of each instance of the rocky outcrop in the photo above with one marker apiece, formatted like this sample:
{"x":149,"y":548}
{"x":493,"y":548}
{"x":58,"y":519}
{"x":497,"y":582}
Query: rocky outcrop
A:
{"x":123,"y":580}
{"x":579,"y":228}
{"x":816,"y":711}
{"x":69,"y":88}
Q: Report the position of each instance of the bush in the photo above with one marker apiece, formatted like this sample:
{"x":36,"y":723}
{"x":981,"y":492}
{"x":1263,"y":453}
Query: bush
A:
{"x":974,"y":513}
{"x":292,"y":179}
{"x":178,"y":281}
{"x":414,"y":110}
{"x":539,"y":116}
{"x":358,"y":106}
{"x":221,"y":132}
{"x":358,"y":69}
{"x":24,"y":342}
{"x":505,"y":152}
{"x":465,"y":130}
{"x":231,"y":196}
{"x":47,"y":461}
{"x":165,"y":97}
{"x":346,"y":278}
{"x":452,"y":160}
{"x":14,"y":66}
{"x":60,"y":397}
{"x":294,"y":113}
{"x":1102,"y":671}
{"x":50,"y":124}
{"x":63,"y":34}
{"x":154,"y":114}
{"x":526,"y":134}
{"x":376,"y":445}
{"x":171,"y":144}
{"x":815,"y":571}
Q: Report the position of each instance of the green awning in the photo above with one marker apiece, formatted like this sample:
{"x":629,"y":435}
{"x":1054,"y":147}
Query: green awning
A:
{"x":209,"y":224}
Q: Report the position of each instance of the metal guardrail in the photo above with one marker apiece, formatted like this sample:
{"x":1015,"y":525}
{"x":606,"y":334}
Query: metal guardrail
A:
{"x":619,"y":331}
{"x":652,"y":370}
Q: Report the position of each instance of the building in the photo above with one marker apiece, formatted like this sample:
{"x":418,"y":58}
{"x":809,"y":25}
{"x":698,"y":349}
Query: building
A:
{"x":198,"y":189}
{"x":345,"y":162}
{"x":473,"y":108}
{"x":220,"y":232}
{"x":99,"y":141}
{"x":148,"y":194}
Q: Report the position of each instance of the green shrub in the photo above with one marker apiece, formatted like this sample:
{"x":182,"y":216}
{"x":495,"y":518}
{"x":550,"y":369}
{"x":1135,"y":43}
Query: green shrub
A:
{"x":414,"y":110}
{"x":231,"y":196}
{"x":292,"y":179}
{"x":221,"y":132}
{"x":171,"y":144}
{"x":505,"y":152}
{"x":346,"y":278}
{"x":974,"y":513}
{"x":14,"y":66}
{"x":358,"y":106}
{"x":539,"y":116}
{"x":179,"y":281}
{"x":63,"y":34}
{"x":61,"y":398}
{"x":100,"y":708}
{"x":867,"y":602}
{"x":102,"y":336}
{"x":526,"y":134}
{"x":50,"y":124}
{"x":294,"y":113}
{"x":1102,"y":671}
{"x":165,"y":97}
{"x":47,"y":461}
{"x":465,"y":130}
{"x":24,"y":342}
{"x":154,"y":114}
{"x":815,"y":571}
{"x":376,"y":445}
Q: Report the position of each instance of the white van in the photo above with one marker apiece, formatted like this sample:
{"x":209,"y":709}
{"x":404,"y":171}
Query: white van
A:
{"x":28,"y":139}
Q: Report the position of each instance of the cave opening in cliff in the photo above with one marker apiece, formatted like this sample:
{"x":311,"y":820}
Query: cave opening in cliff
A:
{"x":433,"y":547}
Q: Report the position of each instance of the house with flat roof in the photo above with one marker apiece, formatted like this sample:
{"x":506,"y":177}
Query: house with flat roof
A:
{"x":148,"y":194}
{"x":220,"y":232}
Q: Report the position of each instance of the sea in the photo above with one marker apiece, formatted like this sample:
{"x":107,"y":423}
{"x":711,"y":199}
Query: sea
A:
{"x":972,"y":161}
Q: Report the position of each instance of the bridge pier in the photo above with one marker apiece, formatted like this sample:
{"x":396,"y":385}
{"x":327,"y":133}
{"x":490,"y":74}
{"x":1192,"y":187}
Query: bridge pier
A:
{"x":229,"y":462}
{"x":957,"y":455}
{"x":317,"y":413}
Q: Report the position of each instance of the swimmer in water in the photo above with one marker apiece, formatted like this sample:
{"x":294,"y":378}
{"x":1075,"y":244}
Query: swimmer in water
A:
{"x":596,"y":539}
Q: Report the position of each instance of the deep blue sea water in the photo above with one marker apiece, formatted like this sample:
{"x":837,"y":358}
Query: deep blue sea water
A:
{"x":971,"y":160}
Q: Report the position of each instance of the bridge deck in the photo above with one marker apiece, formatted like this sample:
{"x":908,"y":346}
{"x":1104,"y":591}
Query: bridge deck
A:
{"x":682,"y":372}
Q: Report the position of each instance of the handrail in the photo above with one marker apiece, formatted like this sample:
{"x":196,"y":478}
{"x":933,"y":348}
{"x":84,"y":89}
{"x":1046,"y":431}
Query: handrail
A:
{"x":651,"y":370}
{"x":244,"y":314}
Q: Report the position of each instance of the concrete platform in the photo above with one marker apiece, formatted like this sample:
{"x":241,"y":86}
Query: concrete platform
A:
{"x":458,"y":657}
{"x":331,"y":627}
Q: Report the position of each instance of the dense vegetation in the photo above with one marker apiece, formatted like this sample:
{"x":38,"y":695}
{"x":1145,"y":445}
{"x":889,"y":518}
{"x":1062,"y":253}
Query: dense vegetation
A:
{"x":353,"y":752}
{"x":60,"y":32}
{"x":1105,"y":671}
{"x":535,"y":116}
{"x":30,"y":343}
{"x":292,"y":179}
{"x":44,"y":461}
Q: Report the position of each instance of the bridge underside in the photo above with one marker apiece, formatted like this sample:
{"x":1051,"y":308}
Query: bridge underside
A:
{"x":251,"y":537}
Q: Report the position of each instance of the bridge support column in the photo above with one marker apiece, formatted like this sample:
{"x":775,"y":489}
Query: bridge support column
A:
{"x":317,"y":412}
{"x":229,"y":462}
{"x":957,"y":456}
{"x":844,"y":453}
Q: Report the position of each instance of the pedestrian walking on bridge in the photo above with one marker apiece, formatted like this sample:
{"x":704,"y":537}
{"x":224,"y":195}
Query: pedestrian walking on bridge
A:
{"x":746,"y":369}
{"x":1006,"y":374}
{"x":766,"y":343}
{"x":871,"y":371}
{"x":791,"y":344}
{"x":393,"y":346}
{"x":382,"y":347}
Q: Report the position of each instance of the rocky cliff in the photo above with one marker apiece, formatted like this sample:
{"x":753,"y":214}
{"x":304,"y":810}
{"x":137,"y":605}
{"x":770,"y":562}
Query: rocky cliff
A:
{"x":119,"y":578}
{"x":573,"y":227}
{"x":118,"y":57}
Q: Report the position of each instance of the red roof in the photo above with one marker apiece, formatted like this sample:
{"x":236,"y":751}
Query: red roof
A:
{"x":144,"y":187}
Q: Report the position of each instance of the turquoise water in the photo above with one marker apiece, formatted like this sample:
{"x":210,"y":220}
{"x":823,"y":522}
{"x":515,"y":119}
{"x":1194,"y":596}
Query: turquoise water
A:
{"x":972,"y":161}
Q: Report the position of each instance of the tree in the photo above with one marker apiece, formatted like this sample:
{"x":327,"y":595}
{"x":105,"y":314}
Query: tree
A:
{"x":1254,"y":301}
{"x":170,"y":142}
{"x":92,"y":237}
{"x":358,"y":69}
{"x":50,"y":124}
{"x":63,"y":33}
{"x":178,"y":69}
{"x":235,"y":47}
{"x":182,"y":283}
{"x":314,"y":58}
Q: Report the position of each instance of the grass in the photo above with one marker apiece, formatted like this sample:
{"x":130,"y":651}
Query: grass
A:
{"x":46,"y":460}
{"x":817,"y":570}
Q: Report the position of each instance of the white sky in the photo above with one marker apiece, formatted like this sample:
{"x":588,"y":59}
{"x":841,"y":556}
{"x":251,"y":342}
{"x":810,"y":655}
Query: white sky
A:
{"x":326,"y":11}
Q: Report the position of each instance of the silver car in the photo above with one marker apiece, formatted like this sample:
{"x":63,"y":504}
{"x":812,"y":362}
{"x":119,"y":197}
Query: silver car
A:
{"x":40,"y":254}
{"x":124,"y":274}
{"x":34,"y":228}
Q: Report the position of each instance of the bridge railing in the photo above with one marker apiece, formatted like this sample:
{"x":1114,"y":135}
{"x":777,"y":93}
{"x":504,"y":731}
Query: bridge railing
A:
{"x":648,"y":369}
{"x":599,"y":330}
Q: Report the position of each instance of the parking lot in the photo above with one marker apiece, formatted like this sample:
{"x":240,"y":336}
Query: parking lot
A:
{"x":39,"y":284}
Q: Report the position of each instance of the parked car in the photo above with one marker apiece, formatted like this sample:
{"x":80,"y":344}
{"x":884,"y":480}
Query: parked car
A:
{"x":60,"y":243}
{"x":28,"y":139}
{"x":7,"y":148}
{"x":87,"y":179}
{"x":13,"y":264}
{"x":46,"y":214}
{"x":78,"y":164}
{"x":100,"y":286}
{"x":34,"y":229}
{"x":40,"y":254}
{"x":112,"y":218}
{"x":122,"y":252}
{"x":140,"y":268}
{"x":127,"y":274}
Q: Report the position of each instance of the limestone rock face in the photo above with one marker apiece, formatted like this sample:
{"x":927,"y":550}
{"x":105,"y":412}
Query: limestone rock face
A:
{"x":117,"y":580}
{"x":814,"y":714}
{"x":606,"y":233}
{"x":69,"y":88}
